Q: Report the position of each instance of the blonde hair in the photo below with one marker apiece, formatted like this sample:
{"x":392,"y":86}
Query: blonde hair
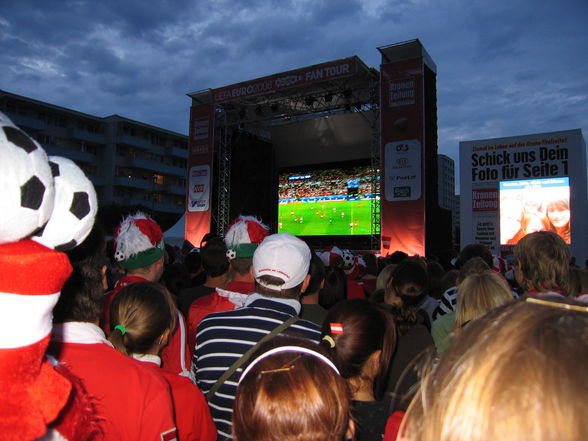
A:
{"x":512,"y":375}
{"x":478,"y":294}
{"x":543,"y":259}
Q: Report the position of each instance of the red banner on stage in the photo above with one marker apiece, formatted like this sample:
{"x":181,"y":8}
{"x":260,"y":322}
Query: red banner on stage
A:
{"x":199,"y":182}
{"x":402,"y":204}
{"x":286,"y":80}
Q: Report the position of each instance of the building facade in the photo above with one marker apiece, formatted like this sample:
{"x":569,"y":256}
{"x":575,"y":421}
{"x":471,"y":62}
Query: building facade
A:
{"x":129,"y":162}
{"x":446,"y":191}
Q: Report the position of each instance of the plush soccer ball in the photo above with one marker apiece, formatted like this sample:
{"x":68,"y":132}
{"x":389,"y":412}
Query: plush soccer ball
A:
{"x":75,"y":207}
{"x":348,"y":259}
{"x":26,"y":184}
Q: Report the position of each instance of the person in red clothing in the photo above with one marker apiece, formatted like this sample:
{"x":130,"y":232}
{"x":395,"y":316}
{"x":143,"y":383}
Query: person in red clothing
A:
{"x":134,"y":403}
{"x":143,"y":318}
{"x":140,"y":250}
{"x":242,"y":238}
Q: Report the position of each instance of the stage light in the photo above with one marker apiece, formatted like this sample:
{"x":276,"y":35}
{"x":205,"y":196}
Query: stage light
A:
{"x":274,"y":107}
{"x":309,"y":100}
{"x":258,"y":110}
{"x":347,"y":93}
{"x":328,"y":97}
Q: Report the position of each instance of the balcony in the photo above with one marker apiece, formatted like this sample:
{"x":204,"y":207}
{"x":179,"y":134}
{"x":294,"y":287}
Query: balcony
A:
{"x":98,"y":181}
{"x":152,"y":166}
{"x":133,"y":141}
{"x":141,"y":184}
{"x":74,"y":155}
{"x":97,"y":138}
{"x":27,"y":122}
{"x":177,"y":152}
{"x":175,"y":189}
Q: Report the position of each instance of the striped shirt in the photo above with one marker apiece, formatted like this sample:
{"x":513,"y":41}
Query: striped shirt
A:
{"x":447,"y":303}
{"x":223,"y":337}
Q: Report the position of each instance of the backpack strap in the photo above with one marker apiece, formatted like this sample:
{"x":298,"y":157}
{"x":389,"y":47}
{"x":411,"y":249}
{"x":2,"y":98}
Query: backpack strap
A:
{"x":247,"y":355}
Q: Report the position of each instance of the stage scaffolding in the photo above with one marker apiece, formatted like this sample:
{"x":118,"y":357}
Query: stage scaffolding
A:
{"x":358,"y":93}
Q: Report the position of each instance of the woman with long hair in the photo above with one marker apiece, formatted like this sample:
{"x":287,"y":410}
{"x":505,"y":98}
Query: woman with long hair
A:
{"x":558,"y":214}
{"x":142,"y":317}
{"x":360,"y":337}
{"x":478,"y":294}
{"x":512,"y":375}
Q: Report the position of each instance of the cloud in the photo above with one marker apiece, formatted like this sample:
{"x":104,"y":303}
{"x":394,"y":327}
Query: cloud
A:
{"x":504,"y":68}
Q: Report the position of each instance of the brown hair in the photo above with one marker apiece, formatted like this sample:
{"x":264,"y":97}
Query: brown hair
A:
{"x":478,"y":294}
{"x":406,"y":288}
{"x":291,"y":396}
{"x":145,"y":310}
{"x":241,"y":265}
{"x":512,"y":375}
{"x":290,"y":293}
{"x":367,"y":328}
{"x":543,"y":260}
{"x":578,"y":281}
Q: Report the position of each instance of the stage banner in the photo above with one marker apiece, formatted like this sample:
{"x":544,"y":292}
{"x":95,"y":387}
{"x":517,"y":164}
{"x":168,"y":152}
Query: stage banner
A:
{"x":329,"y":71}
{"x":402,"y":206}
{"x":514,"y":186}
{"x":200,"y":166}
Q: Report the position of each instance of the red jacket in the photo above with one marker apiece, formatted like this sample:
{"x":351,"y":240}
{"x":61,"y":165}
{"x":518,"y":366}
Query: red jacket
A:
{"x":218,"y":301}
{"x":135,"y":404}
{"x":192,"y":415}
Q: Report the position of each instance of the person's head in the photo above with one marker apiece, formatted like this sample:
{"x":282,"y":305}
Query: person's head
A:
{"x":280,"y":266}
{"x":176,"y":277}
{"x":408,"y":283}
{"x":214,"y":258}
{"x":317,"y":275}
{"x":371,"y":264}
{"x":478,"y":294}
{"x":242,"y":238}
{"x":436,"y":272}
{"x":474,"y":250}
{"x":475,"y":265}
{"x":334,"y":289}
{"x":578,"y":281}
{"x":558,"y":214}
{"x":510,"y":221}
{"x":82,"y":295}
{"x":533,"y":223}
{"x":512,"y":375}
{"x":139,"y":246}
{"x":289,"y":392}
{"x":193,"y":262}
{"x":142,"y":317}
{"x":363,"y":348}
{"x":542,"y":262}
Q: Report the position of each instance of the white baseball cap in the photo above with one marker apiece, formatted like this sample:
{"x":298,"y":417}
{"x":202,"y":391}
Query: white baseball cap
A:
{"x":284,"y":256}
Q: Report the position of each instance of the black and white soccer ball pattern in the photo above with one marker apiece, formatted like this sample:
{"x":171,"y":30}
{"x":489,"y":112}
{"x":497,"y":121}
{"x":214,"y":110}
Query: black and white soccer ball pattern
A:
{"x":59,"y":210}
{"x":74,"y":209}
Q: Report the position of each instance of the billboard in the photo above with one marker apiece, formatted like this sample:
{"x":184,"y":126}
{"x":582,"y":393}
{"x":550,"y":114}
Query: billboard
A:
{"x":513,"y":186}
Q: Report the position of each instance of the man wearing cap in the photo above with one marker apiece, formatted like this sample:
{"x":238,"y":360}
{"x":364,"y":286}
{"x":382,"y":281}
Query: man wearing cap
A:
{"x":280,"y":268}
{"x":241,"y":240}
{"x":140,"y":250}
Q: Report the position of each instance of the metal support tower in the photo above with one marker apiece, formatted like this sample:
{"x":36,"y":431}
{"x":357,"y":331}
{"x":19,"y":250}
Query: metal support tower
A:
{"x":376,"y":164}
{"x":224,"y":174}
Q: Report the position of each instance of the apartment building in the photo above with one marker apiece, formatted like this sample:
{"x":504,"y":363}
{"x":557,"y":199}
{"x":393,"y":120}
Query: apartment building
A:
{"x":129,"y":162}
{"x":446,"y":190}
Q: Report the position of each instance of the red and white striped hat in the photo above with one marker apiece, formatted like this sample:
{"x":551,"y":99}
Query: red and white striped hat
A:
{"x":332,"y":256}
{"x":33,"y":393}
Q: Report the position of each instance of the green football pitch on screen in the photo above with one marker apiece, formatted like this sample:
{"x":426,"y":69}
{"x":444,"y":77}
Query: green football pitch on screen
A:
{"x":326,"y":218}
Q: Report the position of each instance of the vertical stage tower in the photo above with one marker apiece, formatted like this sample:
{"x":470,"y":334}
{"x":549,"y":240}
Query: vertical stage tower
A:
{"x":411,"y":218}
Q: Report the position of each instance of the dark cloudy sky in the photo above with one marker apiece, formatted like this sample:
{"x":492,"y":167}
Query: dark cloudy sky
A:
{"x":504,"y":67}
